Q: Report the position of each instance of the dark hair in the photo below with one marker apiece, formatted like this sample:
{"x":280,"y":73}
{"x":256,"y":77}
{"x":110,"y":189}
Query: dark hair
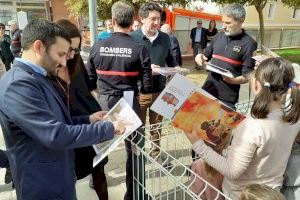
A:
{"x":73,"y":32}
{"x":123,"y":12}
{"x":147,"y":7}
{"x":2,"y":25}
{"x":41,"y":29}
{"x":209,"y":26}
{"x":275,"y":75}
{"x":69,"y":28}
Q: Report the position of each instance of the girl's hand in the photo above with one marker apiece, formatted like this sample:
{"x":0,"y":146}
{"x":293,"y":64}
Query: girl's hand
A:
{"x":193,"y":137}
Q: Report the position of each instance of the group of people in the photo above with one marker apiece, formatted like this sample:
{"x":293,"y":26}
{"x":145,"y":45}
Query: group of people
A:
{"x":201,"y":38}
{"x":271,"y":129}
{"x":10,"y":48}
{"x":50,"y":119}
{"x":10,"y":45}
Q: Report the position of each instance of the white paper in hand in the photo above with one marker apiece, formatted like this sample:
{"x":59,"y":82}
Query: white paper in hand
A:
{"x":219,"y":70}
{"x":123,"y":113}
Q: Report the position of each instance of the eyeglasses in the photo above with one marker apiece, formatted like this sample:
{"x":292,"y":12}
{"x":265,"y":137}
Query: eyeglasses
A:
{"x":76,"y":50}
{"x":2,"y":27}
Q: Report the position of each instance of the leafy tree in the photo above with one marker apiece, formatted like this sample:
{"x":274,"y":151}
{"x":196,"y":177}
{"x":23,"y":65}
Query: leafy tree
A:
{"x":259,"y":6}
{"x":80,"y":7}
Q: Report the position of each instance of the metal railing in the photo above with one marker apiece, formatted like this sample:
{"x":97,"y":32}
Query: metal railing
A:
{"x":274,"y":38}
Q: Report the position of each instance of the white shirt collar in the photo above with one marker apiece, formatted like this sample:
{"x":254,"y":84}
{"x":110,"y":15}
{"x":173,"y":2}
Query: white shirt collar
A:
{"x":151,"y":38}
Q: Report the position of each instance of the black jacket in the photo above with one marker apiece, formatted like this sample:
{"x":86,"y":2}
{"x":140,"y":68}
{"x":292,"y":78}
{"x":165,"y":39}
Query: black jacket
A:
{"x":175,"y":49}
{"x":160,"y":53}
{"x":203,"y":37}
{"x":16,"y":43}
{"x":118,"y":63}
{"x":233,"y":53}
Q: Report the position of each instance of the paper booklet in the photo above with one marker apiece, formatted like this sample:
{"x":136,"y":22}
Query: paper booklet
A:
{"x":168,"y":71}
{"x":123,"y":113}
{"x":219,"y":70}
{"x":189,"y":106}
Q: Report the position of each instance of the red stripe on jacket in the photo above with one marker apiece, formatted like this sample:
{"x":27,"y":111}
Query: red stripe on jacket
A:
{"x":116,"y":73}
{"x":229,"y":60}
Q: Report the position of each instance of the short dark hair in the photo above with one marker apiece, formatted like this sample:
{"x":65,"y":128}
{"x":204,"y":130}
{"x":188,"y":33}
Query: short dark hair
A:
{"x":123,"y":12}
{"x":147,"y":7}
{"x":2,"y":25}
{"x":44,"y":30}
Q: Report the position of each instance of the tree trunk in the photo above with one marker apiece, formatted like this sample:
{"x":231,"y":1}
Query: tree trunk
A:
{"x":261,"y":26}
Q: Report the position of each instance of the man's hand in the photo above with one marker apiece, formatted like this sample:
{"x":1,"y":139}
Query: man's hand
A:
{"x":237,"y":80}
{"x":97,"y":116}
{"x":155,"y":69}
{"x":200,"y":59}
{"x":120,"y":127}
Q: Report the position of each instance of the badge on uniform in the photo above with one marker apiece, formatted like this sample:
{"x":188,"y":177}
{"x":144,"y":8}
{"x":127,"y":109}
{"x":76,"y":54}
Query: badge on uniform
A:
{"x":237,"y":49}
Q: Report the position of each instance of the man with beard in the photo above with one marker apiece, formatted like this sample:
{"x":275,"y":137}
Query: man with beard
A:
{"x":231,"y":49}
{"x":39,"y":133}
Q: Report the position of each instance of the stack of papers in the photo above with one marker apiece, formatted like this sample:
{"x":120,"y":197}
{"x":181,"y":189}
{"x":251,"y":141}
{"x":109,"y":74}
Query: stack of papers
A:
{"x":169,"y":71}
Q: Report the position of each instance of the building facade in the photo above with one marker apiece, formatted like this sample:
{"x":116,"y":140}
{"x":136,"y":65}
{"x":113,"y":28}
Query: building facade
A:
{"x":282,"y":24}
{"x":45,"y":9}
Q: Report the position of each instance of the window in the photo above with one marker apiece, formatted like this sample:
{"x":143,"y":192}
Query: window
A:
{"x":271,"y":12}
{"x":6,"y":3}
{"x":296,"y":13}
{"x":5,"y":16}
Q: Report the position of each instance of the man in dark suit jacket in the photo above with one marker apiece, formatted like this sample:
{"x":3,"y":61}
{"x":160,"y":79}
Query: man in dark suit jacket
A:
{"x":199,"y":40}
{"x":40,"y":135}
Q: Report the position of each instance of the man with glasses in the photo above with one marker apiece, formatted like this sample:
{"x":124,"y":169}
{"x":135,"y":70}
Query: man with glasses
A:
{"x":159,"y":46}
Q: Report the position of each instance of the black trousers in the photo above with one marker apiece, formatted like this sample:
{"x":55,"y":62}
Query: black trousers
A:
{"x":4,"y":163}
{"x":135,"y":164}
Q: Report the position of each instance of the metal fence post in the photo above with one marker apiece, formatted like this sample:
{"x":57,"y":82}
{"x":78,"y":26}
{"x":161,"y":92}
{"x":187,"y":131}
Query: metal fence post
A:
{"x":93,"y":20}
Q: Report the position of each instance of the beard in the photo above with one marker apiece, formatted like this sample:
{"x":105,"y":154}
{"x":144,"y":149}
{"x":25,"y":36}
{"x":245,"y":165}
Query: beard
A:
{"x":50,"y":65}
{"x":232,"y":32}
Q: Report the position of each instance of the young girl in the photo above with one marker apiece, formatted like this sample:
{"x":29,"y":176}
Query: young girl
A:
{"x":262,"y":143}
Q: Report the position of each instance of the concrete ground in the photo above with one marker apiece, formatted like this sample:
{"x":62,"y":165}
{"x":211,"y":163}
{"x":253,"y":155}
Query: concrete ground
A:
{"x":115,"y":169}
